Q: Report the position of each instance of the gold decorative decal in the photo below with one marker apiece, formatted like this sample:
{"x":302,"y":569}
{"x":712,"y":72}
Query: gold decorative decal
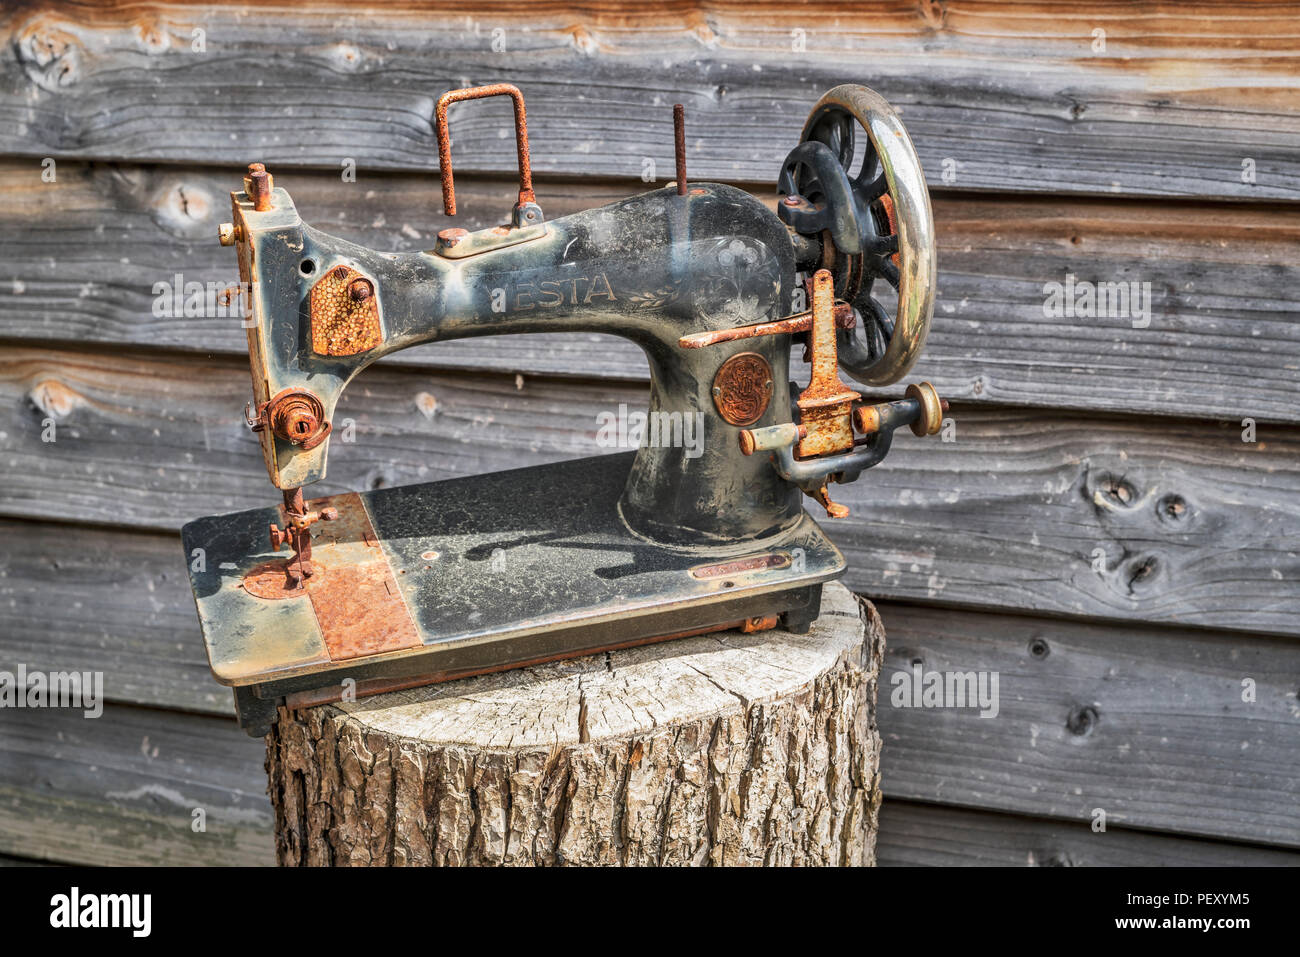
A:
{"x":344,"y":313}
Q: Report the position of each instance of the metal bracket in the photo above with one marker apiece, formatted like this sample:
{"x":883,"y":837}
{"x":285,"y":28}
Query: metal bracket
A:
{"x":526,"y":211}
{"x":822,"y":447}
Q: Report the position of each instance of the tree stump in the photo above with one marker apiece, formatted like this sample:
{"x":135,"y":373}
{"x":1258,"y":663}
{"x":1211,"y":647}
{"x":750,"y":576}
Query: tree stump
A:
{"x":726,"y":748}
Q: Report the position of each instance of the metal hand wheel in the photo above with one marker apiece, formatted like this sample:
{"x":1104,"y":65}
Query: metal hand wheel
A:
{"x":875,"y":225}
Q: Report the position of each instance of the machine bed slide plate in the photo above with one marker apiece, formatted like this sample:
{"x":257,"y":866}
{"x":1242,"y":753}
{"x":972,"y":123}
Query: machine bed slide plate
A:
{"x":470,"y":575}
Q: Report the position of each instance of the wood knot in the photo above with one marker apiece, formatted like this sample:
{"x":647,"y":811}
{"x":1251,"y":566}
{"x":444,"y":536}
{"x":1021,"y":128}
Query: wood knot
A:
{"x":53,"y":398}
{"x":152,"y":38}
{"x":1082,"y":721}
{"x":583,"y":41}
{"x":1142,"y":572}
{"x":933,"y":13}
{"x":1056,"y":859}
{"x":50,"y":55}
{"x":183,"y":210}
{"x":1172,"y":509}
{"x":346,"y":57}
{"x":1113,"y":493}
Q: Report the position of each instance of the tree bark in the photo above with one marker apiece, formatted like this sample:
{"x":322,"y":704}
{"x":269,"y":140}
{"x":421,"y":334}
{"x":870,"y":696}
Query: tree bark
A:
{"x":720,"y":749}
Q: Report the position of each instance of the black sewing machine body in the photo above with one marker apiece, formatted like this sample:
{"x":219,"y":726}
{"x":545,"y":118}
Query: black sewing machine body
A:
{"x":404,"y":586}
{"x":651,"y":269}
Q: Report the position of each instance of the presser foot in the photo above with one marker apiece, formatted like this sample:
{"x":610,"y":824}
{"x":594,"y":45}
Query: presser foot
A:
{"x":297,"y":534}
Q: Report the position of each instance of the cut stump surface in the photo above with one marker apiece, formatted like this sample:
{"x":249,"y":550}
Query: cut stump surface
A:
{"x":719,"y":749}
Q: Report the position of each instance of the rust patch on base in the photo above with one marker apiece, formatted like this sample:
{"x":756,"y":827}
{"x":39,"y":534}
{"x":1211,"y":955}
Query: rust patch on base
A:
{"x":361,"y":612}
{"x":270,"y":580}
{"x":353,"y":590}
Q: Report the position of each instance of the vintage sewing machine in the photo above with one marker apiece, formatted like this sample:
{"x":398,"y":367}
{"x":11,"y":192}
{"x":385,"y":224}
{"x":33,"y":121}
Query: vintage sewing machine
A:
{"x":405,"y":586}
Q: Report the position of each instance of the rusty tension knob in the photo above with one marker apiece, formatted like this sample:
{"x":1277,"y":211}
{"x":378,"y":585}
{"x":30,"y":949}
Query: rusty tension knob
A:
{"x":295,"y":415}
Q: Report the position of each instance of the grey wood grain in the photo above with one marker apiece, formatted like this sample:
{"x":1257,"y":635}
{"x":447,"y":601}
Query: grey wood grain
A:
{"x":123,"y":788}
{"x":129,"y":610}
{"x":1016,"y":98}
{"x":1195,"y":528}
{"x":934,"y":835}
{"x":116,"y":601}
{"x":82,"y":255}
{"x":1148,"y":725}
{"x":1165,"y":750}
{"x":1114,"y":518}
{"x":7,"y":861}
{"x":1219,"y":338}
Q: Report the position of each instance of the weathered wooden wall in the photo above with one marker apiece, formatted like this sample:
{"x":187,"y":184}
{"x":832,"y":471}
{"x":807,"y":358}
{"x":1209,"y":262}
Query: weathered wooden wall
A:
{"x":1120,"y":677}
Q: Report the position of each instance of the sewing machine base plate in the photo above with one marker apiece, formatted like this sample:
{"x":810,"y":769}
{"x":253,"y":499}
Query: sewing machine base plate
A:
{"x":422,"y":583}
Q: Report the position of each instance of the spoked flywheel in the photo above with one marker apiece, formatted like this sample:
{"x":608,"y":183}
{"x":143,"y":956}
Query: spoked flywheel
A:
{"x":875,"y":225}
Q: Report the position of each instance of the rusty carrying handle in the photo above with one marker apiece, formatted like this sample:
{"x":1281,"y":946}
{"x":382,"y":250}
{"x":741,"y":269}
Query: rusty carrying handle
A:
{"x":526,"y":197}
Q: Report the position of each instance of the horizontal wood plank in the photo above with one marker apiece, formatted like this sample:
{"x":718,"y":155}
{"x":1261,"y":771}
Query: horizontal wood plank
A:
{"x":1162,"y":729}
{"x":933,"y":835}
{"x":1040,"y":510}
{"x":1218,"y":336}
{"x":1165,"y":750}
{"x":116,"y":601}
{"x":83,"y":256}
{"x":1167,"y":101}
{"x":1066,"y":514}
{"x":123,"y":788}
{"x":7,"y":861}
